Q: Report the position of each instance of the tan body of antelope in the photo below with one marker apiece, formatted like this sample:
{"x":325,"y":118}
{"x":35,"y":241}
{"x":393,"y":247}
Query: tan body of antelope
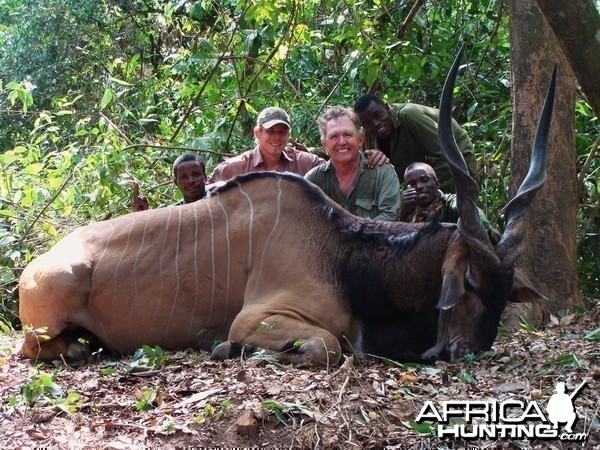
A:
{"x":178,"y":277}
{"x":268,"y":261}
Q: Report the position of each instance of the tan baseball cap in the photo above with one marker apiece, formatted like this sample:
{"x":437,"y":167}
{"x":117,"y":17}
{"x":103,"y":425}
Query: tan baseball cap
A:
{"x":272,"y":116}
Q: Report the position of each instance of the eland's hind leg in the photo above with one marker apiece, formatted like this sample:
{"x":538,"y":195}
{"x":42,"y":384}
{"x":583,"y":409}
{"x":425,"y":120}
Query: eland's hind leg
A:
{"x":51,"y":298}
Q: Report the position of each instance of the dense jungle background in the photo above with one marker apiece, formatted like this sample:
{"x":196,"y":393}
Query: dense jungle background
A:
{"x":97,"y":94}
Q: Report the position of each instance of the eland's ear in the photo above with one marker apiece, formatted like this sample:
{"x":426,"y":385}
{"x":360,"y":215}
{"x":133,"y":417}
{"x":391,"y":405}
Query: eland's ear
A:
{"x":523,"y":290}
{"x":453,"y":289}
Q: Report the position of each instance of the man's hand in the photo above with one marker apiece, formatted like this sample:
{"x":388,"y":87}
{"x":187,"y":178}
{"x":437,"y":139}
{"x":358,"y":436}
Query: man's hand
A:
{"x":140,"y":203}
{"x":408,"y":203}
{"x":376,"y":158}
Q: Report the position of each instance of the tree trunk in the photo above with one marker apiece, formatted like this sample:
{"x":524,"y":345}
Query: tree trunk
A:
{"x":550,"y":253}
{"x":576,"y":25}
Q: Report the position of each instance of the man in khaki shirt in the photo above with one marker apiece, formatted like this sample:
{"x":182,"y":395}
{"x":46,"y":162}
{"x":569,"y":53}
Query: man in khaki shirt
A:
{"x":371,"y":193}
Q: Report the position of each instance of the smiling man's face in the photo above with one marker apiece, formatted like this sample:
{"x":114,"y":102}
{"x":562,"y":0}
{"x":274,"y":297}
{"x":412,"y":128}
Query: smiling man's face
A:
{"x":377,"y":120}
{"x":422,"y":179}
{"x":343,"y":141}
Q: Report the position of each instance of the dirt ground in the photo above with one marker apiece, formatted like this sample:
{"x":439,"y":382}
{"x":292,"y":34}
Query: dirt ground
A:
{"x":182,"y":399}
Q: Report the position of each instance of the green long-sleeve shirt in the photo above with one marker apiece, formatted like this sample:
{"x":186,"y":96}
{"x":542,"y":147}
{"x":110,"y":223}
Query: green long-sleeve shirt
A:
{"x":374,"y":194}
{"x":450,"y":212}
{"x":414,"y":139}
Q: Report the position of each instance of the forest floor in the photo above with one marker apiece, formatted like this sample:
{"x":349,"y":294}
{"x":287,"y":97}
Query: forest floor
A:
{"x":182,"y":399}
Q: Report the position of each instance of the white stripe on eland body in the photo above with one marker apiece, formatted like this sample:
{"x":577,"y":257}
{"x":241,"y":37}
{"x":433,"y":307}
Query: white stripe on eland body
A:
{"x":228,"y":260}
{"x":268,"y":239}
{"x":117,"y":266}
{"x":159,"y":298}
{"x":168,"y":325}
{"x":250,"y":224}
{"x":101,"y":322}
{"x":212,"y":259}
{"x":135,"y":284}
{"x":197,"y":288}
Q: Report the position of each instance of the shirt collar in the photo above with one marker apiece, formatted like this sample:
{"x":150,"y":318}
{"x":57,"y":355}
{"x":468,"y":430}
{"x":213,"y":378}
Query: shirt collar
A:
{"x":257,"y":158}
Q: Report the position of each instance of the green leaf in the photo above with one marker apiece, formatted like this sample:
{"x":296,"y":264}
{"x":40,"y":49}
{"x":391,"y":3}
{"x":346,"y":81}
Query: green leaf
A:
{"x":569,"y":359}
{"x":277,"y":409}
{"x":106,"y":98}
{"x":121,"y":82}
{"x":427,"y":370}
{"x":423,"y":428}
{"x":466,"y":377}
{"x":33,"y":169}
{"x":593,"y":335}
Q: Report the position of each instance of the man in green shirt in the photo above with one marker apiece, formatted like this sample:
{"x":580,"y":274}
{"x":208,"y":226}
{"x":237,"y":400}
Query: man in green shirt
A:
{"x":372,"y":193}
{"x":407,"y":133}
{"x":423,"y":201}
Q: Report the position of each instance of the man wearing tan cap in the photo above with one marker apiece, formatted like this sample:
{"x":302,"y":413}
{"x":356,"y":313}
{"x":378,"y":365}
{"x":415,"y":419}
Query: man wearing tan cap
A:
{"x":271,"y":133}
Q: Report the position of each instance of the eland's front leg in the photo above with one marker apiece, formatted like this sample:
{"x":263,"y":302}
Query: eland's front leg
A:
{"x":291,"y":340}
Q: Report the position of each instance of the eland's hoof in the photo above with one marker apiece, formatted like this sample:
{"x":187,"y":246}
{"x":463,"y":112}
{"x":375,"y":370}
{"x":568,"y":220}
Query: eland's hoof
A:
{"x":226,"y":350}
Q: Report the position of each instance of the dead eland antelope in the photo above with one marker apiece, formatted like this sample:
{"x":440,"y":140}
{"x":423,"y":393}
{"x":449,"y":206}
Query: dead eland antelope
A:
{"x":268,"y":261}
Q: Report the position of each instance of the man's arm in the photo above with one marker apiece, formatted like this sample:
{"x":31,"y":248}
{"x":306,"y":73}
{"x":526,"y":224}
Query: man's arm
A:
{"x":421,"y":123}
{"x":388,"y":195}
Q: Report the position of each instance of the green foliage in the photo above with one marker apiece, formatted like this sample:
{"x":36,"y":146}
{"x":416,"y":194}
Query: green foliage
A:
{"x":570,"y":359}
{"x":283,"y":409}
{"x":593,"y":335}
{"x":147,"y":399}
{"x":148,"y":357}
{"x":264,"y":356}
{"x":97,"y":94}
{"x":211,"y":412}
{"x":525,"y":325}
{"x":588,"y":215}
{"x":42,"y":391}
{"x":466,"y":377}
{"x":425,"y":428}
{"x":43,"y":385}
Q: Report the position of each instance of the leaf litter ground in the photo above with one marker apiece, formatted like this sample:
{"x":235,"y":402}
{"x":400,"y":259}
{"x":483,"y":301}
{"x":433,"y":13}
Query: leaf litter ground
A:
{"x":182,"y":399}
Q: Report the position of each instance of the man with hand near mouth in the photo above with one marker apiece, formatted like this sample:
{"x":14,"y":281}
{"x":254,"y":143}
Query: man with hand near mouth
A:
{"x":407,"y":133}
{"x":423,"y":201}
{"x":373,"y":193}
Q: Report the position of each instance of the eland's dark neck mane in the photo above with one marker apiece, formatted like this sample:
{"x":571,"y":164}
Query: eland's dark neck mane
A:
{"x":351,"y":228}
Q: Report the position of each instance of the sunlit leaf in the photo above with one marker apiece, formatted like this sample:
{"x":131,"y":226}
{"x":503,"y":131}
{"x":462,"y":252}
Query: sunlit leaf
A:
{"x":121,"y":82}
{"x":33,"y":169}
{"x":106,"y":98}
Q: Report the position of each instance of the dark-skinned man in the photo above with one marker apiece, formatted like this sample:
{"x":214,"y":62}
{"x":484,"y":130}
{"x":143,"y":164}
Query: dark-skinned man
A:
{"x":407,"y":133}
